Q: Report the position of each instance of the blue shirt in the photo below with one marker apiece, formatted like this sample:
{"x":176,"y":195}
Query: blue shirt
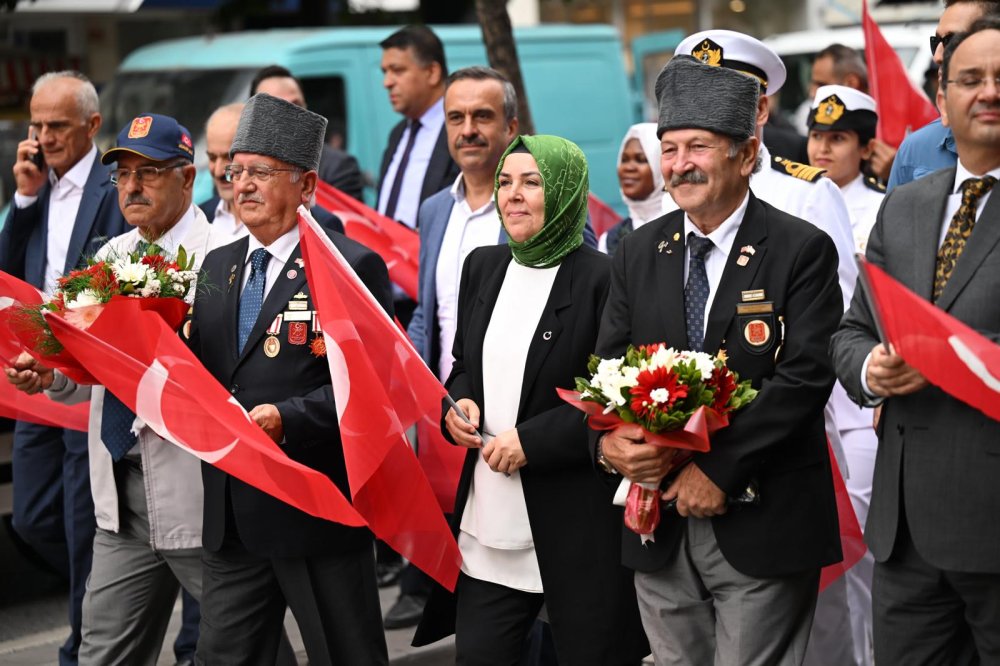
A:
{"x":930,"y":148}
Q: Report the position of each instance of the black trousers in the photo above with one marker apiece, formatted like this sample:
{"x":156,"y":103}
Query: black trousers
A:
{"x":928,"y":616}
{"x":334,"y":599}
{"x":492,"y":622}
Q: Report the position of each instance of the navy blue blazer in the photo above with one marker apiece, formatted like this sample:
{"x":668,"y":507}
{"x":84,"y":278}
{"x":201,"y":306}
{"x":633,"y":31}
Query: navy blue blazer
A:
{"x":432,"y":220}
{"x":24,"y":238}
{"x":326,"y":219}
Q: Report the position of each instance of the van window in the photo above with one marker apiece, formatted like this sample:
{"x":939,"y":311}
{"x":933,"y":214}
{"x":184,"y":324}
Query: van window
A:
{"x":189,"y":96}
{"x":325,"y":96}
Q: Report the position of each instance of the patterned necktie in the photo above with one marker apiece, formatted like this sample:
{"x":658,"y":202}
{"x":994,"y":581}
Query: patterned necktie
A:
{"x":252,"y":297}
{"x":696,"y":291}
{"x":116,"y":417}
{"x":959,"y":231}
{"x":397,"y":182}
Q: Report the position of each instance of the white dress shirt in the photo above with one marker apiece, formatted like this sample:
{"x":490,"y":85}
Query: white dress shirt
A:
{"x":467,"y":229}
{"x":226,"y":228}
{"x":862,"y":203}
{"x":64,"y":204}
{"x":715,"y":259}
{"x":280,"y":251}
{"x":431,"y":124}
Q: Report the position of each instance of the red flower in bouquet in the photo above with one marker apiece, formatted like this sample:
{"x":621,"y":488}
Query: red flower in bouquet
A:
{"x":657,"y":390}
{"x":159,"y":263}
{"x":724,"y":384}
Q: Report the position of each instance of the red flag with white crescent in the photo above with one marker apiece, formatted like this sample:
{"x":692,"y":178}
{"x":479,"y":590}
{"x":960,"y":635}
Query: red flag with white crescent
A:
{"x":397,"y":244}
{"x":136,"y":356}
{"x":901,"y":106}
{"x":381,"y":387}
{"x":952,"y":356}
{"x":14,"y":404}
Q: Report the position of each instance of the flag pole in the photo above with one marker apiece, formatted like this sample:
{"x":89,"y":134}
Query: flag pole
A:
{"x":867,"y":294}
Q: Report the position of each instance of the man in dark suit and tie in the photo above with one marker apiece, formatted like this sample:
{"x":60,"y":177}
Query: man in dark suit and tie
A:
{"x":64,"y":209}
{"x":256,"y":333}
{"x":729,"y":272}
{"x":935,"y":500}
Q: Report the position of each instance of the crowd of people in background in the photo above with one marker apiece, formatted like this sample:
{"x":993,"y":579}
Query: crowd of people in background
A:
{"x":730,"y":209}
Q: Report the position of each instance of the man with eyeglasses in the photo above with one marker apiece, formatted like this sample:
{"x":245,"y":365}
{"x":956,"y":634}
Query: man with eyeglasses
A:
{"x":935,"y":500}
{"x":147,"y":492}
{"x":258,"y":335}
{"x":62,"y":206}
{"x":932,"y":147}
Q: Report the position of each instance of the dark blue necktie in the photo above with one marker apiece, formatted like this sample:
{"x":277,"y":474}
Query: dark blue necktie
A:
{"x":397,"y":182}
{"x":252,"y":297}
{"x":696,"y":291}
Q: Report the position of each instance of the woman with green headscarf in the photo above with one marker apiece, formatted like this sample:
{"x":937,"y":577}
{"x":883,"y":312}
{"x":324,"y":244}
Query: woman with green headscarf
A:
{"x":534,"y":523}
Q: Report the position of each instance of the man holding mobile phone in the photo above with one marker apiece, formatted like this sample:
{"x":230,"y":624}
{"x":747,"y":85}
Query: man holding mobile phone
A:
{"x":63,"y":208}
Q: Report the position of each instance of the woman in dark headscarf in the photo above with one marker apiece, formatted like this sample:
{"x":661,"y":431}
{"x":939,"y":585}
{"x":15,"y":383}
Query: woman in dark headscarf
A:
{"x":534,"y":523}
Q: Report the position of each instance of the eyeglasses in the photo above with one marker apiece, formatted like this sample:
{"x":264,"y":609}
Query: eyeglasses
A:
{"x":261,"y":174}
{"x":942,"y":40}
{"x":145,"y":174}
{"x":973,"y":83}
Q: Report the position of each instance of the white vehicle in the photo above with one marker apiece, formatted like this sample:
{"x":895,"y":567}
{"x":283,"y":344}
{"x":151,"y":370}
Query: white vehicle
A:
{"x":798,"y":49}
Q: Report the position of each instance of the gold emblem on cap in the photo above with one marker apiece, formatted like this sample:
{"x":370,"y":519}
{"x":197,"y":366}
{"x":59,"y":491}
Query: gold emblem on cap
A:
{"x":709,"y":53}
{"x":140,"y":127}
{"x":829,"y":110}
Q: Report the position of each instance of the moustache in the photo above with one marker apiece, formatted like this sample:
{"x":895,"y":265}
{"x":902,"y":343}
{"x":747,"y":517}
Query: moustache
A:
{"x":252,"y":197}
{"x":477,"y":141}
{"x":693,"y":177}
{"x":137,"y":198}
{"x":984,"y":106}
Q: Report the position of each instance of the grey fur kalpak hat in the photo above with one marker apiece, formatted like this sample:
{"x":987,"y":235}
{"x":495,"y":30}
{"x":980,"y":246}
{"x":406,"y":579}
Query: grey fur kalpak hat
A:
{"x":693,"y":95}
{"x":279,"y":129}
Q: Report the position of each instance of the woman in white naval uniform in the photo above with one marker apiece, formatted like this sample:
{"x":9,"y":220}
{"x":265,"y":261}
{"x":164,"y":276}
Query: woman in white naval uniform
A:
{"x":841,"y":128}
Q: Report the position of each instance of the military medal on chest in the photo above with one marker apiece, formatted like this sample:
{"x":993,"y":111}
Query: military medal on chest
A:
{"x":272,"y":345}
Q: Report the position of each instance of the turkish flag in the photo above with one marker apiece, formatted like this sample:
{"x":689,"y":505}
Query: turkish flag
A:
{"x":958,"y":360}
{"x":602,"y":216}
{"x":852,"y":541}
{"x":902,"y":107}
{"x":14,"y":404}
{"x":140,"y":359}
{"x":381,"y":387}
{"x":397,"y":244}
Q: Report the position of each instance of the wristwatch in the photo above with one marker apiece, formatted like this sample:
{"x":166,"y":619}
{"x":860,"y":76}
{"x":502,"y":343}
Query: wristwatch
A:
{"x":603,"y":462}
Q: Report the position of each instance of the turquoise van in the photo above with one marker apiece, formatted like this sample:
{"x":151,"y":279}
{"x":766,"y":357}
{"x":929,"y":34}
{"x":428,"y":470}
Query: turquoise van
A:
{"x":574,"y":74}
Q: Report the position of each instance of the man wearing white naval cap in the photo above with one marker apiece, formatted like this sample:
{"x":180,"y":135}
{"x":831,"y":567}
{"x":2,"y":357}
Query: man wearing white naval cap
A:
{"x":802,"y":191}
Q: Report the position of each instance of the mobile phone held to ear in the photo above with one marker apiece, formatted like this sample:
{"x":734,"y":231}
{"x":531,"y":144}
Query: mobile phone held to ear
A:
{"x":38,"y":158}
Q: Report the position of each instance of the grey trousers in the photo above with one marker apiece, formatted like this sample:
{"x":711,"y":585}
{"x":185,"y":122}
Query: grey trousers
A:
{"x":699,"y":610}
{"x":132,"y":587}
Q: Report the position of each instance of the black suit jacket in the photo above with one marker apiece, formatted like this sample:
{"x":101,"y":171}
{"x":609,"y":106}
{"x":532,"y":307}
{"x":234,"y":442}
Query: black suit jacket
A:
{"x":341,"y":170}
{"x":575,"y":527}
{"x":296,"y":382}
{"x":441,"y":170}
{"x":24,"y":237}
{"x":326,"y":219}
{"x":778,"y":440}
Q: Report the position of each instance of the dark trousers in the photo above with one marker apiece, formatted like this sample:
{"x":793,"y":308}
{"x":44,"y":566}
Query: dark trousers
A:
{"x":54,"y":510}
{"x":492,"y":622}
{"x":927,"y":616}
{"x":334,"y":599}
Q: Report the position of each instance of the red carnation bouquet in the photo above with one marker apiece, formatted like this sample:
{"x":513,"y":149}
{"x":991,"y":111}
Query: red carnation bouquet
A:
{"x":165,"y":284}
{"x":678,"y":398}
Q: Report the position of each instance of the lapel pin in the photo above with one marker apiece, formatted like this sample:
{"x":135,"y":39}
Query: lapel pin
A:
{"x":300,"y":262}
{"x":743,"y":260}
{"x":232,"y":276}
{"x":664,"y":246}
{"x":677,"y":236}
{"x":748,"y":249}
{"x":547,"y":335}
{"x":291,"y":274}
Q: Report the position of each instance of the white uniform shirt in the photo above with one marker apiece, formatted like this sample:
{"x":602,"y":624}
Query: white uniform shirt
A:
{"x":467,"y":229}
{"x":862,"y":203}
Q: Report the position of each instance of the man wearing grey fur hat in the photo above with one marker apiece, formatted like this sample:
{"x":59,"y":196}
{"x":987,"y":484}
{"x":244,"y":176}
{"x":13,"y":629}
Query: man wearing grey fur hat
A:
{"x":254,"y":332}
{"x":732,"y":575}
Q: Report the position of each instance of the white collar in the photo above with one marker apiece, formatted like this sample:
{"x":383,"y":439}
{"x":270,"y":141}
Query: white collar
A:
{"x":77,"y":174}
{"x":457,"y":191}
{"x":281,"y":249}
{"x":724,"y":235}
{"x":173,"y":237}
{"x":434,"y":115}
{"x":962,"y":174}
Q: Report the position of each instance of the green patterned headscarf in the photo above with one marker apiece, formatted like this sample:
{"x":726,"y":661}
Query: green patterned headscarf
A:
{"x":565,"y":184}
